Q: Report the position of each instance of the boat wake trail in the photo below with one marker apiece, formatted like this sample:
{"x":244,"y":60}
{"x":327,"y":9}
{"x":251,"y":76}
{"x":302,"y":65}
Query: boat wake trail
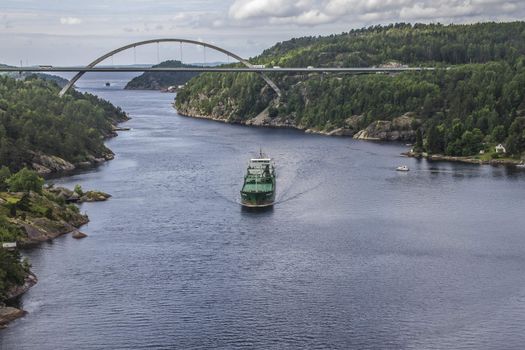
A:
{"x":285,"y":198}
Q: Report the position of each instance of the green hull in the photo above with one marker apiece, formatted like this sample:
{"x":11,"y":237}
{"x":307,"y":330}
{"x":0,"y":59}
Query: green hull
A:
{"x":258,"y":190}
{"x":259,"y":199}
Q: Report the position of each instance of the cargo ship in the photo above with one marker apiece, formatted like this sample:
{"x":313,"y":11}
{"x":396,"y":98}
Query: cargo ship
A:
{"x":258,"y":190}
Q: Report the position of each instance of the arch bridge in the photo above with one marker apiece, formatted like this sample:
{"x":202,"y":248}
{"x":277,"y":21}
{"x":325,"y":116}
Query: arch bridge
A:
{"x":165,"y":40}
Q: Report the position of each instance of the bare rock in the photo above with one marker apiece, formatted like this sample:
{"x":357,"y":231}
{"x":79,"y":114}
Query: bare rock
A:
{"x":398,"y":129}
{"x":79,"y":235}
{"x":8,"y":314}
{"x":16,"y":291}
{"x":94,"y":196}
{"x":43,"y":229}
{"x":365,"y":135}
{"x":341,"y":132}
{"x":354,"y":121}
{"x":45,"y":164}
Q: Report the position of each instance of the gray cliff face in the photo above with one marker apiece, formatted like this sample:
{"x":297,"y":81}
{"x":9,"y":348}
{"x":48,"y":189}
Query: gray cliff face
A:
{"x":223,"y":111}
{"x":399,"y":129}
{"x":45,"y":164}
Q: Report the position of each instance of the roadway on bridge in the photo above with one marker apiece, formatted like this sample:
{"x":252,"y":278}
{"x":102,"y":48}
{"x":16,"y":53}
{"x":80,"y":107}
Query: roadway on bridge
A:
{"x":218,"y":69}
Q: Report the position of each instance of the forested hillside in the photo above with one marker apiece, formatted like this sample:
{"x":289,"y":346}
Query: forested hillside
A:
{"x":161,"y":80}
{"x":474,"y":99}
{"x":43,"y":132}
{"x":39,"y":130}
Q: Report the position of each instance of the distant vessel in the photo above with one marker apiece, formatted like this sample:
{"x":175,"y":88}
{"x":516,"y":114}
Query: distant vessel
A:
{"x":258,"y":190}
{"x":520,"y":165}
{"x":402,"y":168}
{"x":108,"y":84}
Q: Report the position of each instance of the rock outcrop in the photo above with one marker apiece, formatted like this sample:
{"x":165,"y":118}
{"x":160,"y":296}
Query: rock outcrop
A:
{"x":8,"y":314}
{"x":264,"y":119}
{"x":74,"y":197}
{"x":45,"y":164}
{"x":79,"y":235}
{"x":44,"y":229}
{"x":17,"y":291}
{"x":399,"y":129}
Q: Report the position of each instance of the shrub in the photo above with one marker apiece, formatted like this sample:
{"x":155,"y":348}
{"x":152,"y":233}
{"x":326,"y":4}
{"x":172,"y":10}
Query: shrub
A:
{"x":24,"y":181}
{"x":78,"y":190}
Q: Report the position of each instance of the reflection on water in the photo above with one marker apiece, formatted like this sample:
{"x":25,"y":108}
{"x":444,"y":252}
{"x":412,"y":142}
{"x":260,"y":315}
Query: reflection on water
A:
{"x":352,"y":255}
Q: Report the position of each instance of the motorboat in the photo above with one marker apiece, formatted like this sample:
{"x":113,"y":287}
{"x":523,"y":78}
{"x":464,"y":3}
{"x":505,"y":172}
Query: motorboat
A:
{"x":402,"y":168}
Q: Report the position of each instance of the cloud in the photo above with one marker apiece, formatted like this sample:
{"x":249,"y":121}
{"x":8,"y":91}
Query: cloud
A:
{"x":246,"y":9}
{"x":312,"y":17}
{"x":319,"y":12}
{"x":70,"y":20}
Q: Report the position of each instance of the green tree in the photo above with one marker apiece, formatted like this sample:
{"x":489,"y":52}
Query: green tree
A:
{"x":24,"y":181}
{"x":418,"y":147}
{"x":24,"y":203}
{"x":434,"y":140}
{"x":512,"y":145}
{"x":498,"y":134}
{"x":12,"y":271}
{"x":471,"y":142}
{"x":78,"y":190}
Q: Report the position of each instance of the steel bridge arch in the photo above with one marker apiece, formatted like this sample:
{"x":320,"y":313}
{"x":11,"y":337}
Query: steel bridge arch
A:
{"x":152,"y":41}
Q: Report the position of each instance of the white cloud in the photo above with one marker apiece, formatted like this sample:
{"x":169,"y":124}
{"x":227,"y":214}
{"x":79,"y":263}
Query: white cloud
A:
{"x":70,"y":20}
{"x":319,"y":12}
{"x":246,"y":9}
{"x":312,"y":17}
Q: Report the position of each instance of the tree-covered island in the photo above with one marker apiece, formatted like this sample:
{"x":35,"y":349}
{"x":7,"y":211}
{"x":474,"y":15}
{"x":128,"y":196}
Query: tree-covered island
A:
{"x":162,"y":80}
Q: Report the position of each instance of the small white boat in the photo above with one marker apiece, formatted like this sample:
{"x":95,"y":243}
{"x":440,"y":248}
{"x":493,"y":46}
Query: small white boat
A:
{"x":520,"y":165}
{"x":402,"y":168}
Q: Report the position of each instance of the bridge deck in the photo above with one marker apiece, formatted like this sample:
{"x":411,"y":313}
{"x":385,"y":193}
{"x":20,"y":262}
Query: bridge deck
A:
{"x":217,"y":69}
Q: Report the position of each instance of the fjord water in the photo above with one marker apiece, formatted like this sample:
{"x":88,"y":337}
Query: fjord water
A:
{"x":353,"y":255}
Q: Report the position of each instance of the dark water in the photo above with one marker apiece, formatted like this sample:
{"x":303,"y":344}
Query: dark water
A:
{"x":354,"y":254}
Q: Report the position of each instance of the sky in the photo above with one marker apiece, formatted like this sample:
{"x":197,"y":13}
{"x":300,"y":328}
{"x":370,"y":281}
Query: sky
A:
{"x":74,"y":32}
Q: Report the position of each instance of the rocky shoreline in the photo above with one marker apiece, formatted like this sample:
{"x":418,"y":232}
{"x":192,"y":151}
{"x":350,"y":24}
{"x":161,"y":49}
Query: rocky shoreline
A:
{"x":49,"y":165}
{"x":46,"y":165}
{"x":43,"y":229}
{"x":10,"y":313}
{"x":468,"y":160}
{"x":398,"y":129}
{"x":38,"y":230}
